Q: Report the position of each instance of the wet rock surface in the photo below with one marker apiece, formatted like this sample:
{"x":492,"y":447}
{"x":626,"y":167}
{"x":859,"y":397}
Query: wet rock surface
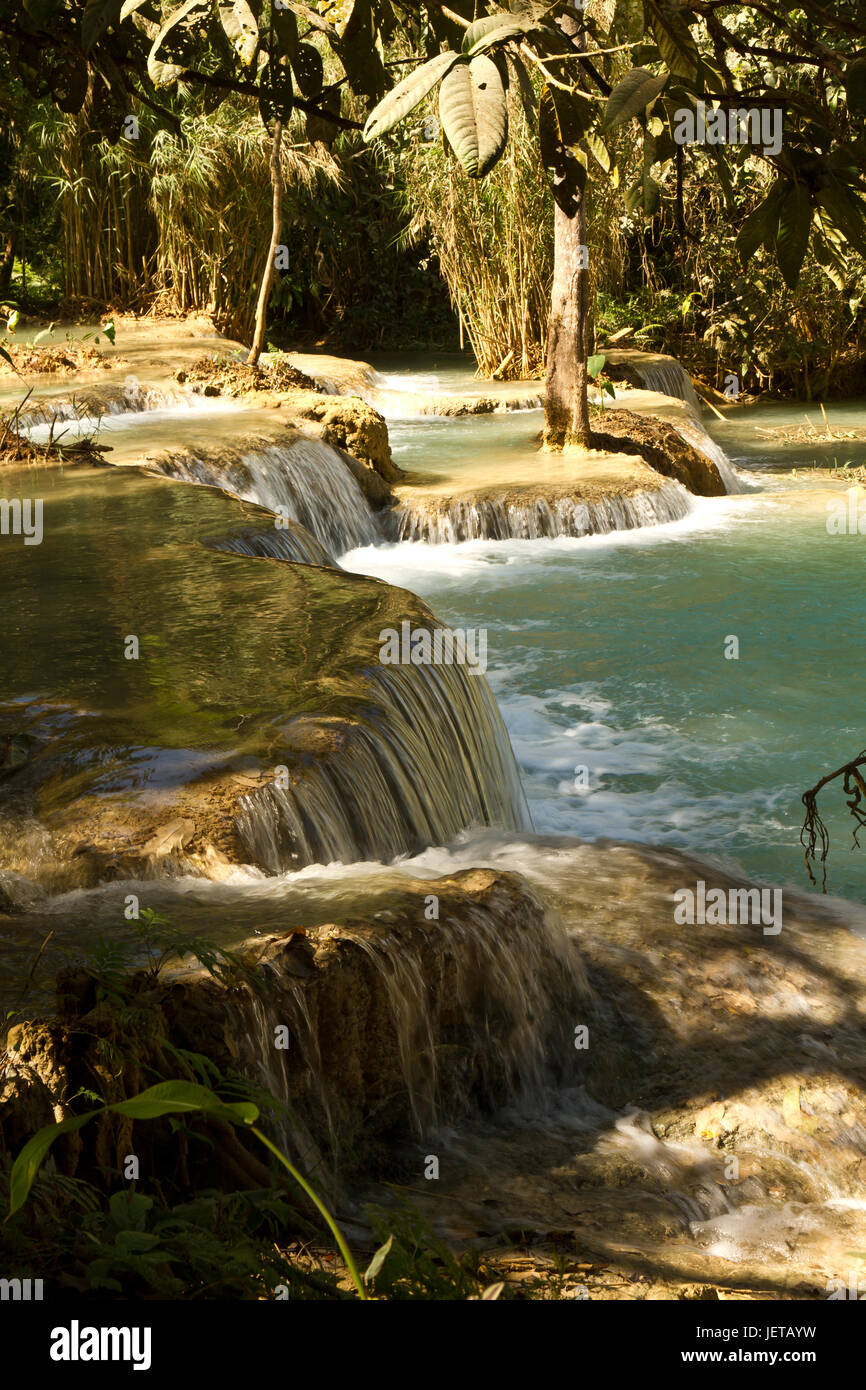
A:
{"x":394,"y":1021}
{"x":661,"y":447}
{"x":716,"y":1146}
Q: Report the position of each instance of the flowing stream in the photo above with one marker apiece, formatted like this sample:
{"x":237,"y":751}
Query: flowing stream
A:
{"x":607,"y":639}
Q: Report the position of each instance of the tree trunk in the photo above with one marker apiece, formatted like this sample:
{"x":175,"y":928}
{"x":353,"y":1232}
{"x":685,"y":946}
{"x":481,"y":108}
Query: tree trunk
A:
{"x":8,"y":262}
{"x":268,"y":276}
{"x":566,"y":403}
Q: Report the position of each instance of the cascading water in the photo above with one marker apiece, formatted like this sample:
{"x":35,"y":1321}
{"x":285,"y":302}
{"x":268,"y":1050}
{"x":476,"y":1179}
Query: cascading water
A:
{"x":92,"y":402}
{"x":447,"y":520}
{"x":667,"y":376}
{"x":292,"y":543}
{"x":303,"y":479}
{"x":429,"y":758}
{"x":694,"y":433}
{"x":475,"y":1009}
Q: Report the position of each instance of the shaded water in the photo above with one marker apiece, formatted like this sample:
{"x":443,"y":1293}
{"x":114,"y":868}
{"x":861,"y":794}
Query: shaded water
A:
{"x":242,"y":665}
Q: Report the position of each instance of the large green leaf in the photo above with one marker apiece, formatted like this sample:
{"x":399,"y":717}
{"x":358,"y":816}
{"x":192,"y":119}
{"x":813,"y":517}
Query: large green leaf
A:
{"x":98,"y":15}
{"x":283,"y":35}
{"x":69,"y":81}
{"x":359,"y":49}
{"x":598,"y":149}
{"x":674,"y":39}
{"x":28,"y":1162}
{"x":240,"y":28}
{"x":637,"y":90}
{"x":276,"y":94}
{"x":180,"y":1097}
{"x":495,"y":28}
{"x":474,"y":113}
{"x":407,"y":95}
{"x":166,"y":1098}
{"x":309,"y":70}
{"x":855,"y":87}
{"x":846,"y":212}
{"x":759,"y":228}
{"x":792,"y":232}
{"x":562,"y":120}
{"x":161,"y":72}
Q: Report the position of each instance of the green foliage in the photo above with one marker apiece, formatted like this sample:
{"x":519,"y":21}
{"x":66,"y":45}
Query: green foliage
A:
{"x":166,"y":1098}
{"x":632,"y":96}
{"x":134,"y":1245}
{"x":412,"y":1262}
{"x":474,"y":113}
{"x":595,"y":370}
{"x":563,"y":119}
{"x":819,"y":169}
{"x":493,"y":238}
{"x":407,"y":94}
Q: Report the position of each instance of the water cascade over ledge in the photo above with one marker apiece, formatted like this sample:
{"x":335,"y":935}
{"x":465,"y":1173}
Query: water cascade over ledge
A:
{"x":107,"y":398}
{"x":292,"y":543}
{"x":429,"y":757}
{"x":669,"y":377}
{"x":694,"y":433}
{"x":438,"y":1017}
{"x":302,"y":479}
{"x":446,"y":520}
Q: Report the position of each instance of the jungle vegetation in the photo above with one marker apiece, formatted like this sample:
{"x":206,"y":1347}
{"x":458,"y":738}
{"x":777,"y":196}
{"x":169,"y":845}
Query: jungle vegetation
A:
{"x":141,"y":142}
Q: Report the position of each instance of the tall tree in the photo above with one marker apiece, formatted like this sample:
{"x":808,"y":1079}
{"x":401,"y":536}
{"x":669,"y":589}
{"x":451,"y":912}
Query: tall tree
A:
{"x":697,"y":64}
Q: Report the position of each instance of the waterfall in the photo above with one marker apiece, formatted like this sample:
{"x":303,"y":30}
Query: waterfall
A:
{"x":512,"y":971}
{"x":668,"y":377}
{"x":401,"y":1025}
{"x":109,"y":399}
{"x":293,"y":543}
{"x":305,"y":480}
{"x":446,"y":520}
{"x":426,"y":758}
{"x":695,"y":434}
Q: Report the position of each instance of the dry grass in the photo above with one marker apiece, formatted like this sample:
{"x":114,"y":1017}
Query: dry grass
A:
{"x":16,"y":448}
{"x":494,"y":241}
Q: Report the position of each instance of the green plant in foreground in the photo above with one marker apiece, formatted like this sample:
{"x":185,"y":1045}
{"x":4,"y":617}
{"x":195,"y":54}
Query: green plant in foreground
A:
{"x":168,"y":1098}
{"x":595,"y":370}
